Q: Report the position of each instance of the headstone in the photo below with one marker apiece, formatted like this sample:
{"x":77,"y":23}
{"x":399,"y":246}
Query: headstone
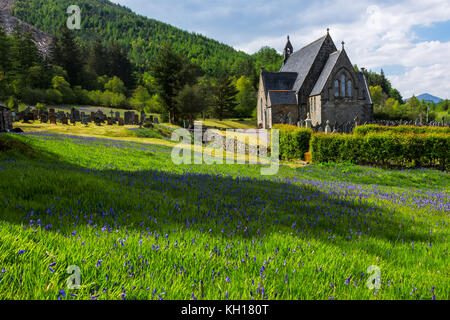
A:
{"x":110,"y":121}
{"x":35,"y":114}
{"x":327,"y":127}
{"x":155,"y":120}
{"x":117,"y":115}
{"x":44,"y":118}
{"x":136,"y":119}
{"x":92,"y":116}
{"x":121,"y":122}
{"x":129,"y":117}
{"x":143,"y":116}
{"x":52,"y":118}
{"x":308,"y":121}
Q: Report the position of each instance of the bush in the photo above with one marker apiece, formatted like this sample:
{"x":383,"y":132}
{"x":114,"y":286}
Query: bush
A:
{"x":365,"y":129}
{"x":383,"y":149}
{"x":33,"y":96}
{"x":54,"y":96}
{"x":294,"y":141}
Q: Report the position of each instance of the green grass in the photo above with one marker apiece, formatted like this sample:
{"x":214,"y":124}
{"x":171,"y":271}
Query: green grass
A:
{"x":141,"y":227}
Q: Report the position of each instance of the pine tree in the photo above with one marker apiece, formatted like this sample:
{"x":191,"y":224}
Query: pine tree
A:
{"x":67,"y":54}
{"x":120,"y":66}
{"x":98,"y":59}
{"x":224,"y":97}
{"x":171,"y":72}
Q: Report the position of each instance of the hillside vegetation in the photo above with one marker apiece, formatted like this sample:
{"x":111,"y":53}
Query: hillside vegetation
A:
{"x":139,"y":35}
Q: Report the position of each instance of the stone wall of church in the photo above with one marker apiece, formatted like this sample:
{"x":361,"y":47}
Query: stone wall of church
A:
{"x":313,"y":75}
{"x":261,"y":105}
{"x":315,"y":110}
{"x":346,"y":111}
{"x":284,"y":113}
{"x":343,"y":109}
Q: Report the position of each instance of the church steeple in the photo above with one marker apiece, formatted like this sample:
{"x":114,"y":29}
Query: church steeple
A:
{"x":288,"y":50}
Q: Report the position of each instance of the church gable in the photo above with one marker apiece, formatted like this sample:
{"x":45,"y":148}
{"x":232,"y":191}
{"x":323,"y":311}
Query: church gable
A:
{"x":339,"y":80}
{"x":308,"y":62}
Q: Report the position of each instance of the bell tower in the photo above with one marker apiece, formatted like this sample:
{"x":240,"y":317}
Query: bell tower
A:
{"x":288,"y":50}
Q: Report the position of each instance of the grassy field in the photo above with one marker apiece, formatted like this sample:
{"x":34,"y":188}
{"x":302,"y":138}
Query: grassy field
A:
{"x":140,"y":227}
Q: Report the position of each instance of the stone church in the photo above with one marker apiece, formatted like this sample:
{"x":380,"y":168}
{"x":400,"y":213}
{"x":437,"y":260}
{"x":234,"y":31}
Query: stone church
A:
{"x":318,"y":80}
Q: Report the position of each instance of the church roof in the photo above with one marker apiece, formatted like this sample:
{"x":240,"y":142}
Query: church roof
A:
{"x":282,"y":97}
{"x":331,"y":62}
{"x":301,"y":61}
{"x":363,"y":81}
{"x":278,"y":80}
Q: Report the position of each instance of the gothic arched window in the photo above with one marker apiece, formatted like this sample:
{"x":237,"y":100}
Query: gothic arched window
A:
{"x":342,"y":85}
{"x":349,"y":88}
{"x":336,"y":88}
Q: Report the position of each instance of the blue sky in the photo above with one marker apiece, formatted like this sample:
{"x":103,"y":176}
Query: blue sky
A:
{"x":410,"y":40}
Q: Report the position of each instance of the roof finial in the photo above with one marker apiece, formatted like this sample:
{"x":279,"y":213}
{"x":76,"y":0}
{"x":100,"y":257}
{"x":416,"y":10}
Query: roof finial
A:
{"x":288,"y":37}
{"x":328,"y":31}
{"x":343,"y":45}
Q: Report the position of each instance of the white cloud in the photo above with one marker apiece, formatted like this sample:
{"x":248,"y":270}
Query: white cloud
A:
{"x":376,"y":33}
{"x":382,"y":35}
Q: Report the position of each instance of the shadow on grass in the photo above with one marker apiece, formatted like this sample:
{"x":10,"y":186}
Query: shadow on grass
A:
{"x":62,"y":194}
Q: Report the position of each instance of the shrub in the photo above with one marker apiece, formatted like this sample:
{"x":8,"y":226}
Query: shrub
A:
{"x":366,"y":129}
{"x":294,"y":141}
{"x":383,"y":149}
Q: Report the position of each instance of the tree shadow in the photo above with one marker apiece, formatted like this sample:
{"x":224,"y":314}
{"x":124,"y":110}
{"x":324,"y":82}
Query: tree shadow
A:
{"x":64,"y":195}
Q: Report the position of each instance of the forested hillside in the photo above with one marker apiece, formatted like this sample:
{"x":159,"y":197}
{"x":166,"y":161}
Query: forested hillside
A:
{"x":138,"y":35}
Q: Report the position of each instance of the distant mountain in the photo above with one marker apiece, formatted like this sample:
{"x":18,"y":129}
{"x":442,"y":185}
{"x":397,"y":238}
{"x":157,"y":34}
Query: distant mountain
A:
{"x":428,"y":98}
{"x":139,"y":35}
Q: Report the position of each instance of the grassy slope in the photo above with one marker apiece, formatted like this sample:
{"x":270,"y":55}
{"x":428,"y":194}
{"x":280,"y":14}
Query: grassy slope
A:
{"x":140,"y":227}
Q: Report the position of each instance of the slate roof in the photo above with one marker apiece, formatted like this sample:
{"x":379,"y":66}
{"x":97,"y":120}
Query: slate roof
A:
{"x":301,"y":61}
{"x":363,"y":81}
{"x":278,"y":80}
{"x":331,"y":62}
{"x":282,"y":97}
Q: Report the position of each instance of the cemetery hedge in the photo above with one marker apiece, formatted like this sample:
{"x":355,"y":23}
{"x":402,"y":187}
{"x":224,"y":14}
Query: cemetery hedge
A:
{"x":366,"y":129}
{"x":294,"y":141}
{"x":385,"y":149}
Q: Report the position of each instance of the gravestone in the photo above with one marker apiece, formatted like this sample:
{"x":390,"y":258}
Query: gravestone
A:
{"x":129,"y":117}
{"x":75,"y":115}
{"x":155,"y":120}
{"x":52,"y":118}
{"x":110,"y":121}
{"x":117,"y":115}
{"x":44,"y":118}
{"x":308,"y":121}
{"x":92,"y":116}
{"x":143,"y":116}
{"x":121,"y":122}
{"x":136,"y":119}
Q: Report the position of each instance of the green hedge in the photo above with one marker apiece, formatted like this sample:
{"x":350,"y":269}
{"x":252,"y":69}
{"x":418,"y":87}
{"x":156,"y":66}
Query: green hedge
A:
{"x":294,"y":141}
{"x":366,"y":129}
{"x":383,"y":149}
